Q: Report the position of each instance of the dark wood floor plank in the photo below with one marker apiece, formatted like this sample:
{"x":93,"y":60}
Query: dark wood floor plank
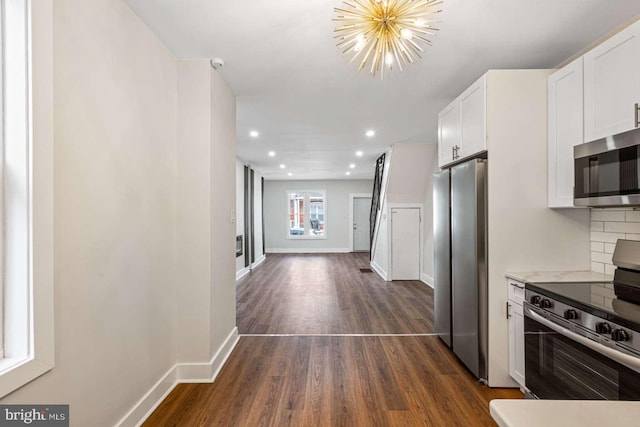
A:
{"x":349,"y":381}
{"x":327,"y":294}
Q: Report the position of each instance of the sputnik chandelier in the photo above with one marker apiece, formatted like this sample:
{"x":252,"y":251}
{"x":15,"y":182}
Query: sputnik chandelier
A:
{"x":385,"y":32}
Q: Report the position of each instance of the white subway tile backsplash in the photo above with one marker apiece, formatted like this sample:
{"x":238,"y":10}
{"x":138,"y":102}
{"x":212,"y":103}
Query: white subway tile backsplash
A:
{"x":598,"y":236}
{"x":598,"y":267}
{"x":608,"y":215}
{"x":601,"y":257}
{"x":622,"y":227}
{"x":607,"y":226}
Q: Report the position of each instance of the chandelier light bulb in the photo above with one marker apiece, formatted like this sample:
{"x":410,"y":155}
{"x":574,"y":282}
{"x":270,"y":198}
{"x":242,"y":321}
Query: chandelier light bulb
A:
{"x":406,"y":34}
{"x":380,"y":32}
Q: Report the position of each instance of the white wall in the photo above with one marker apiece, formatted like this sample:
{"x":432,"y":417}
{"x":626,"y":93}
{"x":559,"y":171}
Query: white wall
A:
{"x":411,"y":166}
{"x":115,"y":101}
{"x":240,"y":213}
{"x":223,"y":205}
{"x":427,"y":219}
{"x":524,"y":235}
{"x":144,"y":242}
{"x":336,"y":216}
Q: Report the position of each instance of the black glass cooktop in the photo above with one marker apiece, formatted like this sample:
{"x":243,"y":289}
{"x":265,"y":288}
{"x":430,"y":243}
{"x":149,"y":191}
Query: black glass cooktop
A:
{"x":599,"y":299}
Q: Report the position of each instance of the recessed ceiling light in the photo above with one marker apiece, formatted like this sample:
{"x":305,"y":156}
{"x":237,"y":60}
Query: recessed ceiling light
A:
{"x":272,"y":153}
{"x":254,"y":134}
{"x":282,"y":166}
{"x":370,"y":133}
{"x":359,"y":153}
{"x":290,"y":174}
{"x":347,"y":173}
{"x":352,"y":165}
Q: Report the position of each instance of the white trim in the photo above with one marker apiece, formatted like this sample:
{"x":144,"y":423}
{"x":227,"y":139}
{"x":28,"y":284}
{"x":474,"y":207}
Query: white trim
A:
{"x":307,"y":214}
{"x":353,"y":196}
{"x":307,"y":250}
{"x":426,"y":279}
{"x":379,"y":270}
{"x":259,"y":261}
{"x":241,"y":273}
{"x":179,"y":373}
{"x":35,"y":355}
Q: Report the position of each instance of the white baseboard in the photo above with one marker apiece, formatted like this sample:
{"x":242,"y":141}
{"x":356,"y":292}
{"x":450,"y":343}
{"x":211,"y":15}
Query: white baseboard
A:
{"x":179,"y":373}
{"x":241,"y":273}
{"x":426,"y":279}
{"x":259,"y":261}
{"x":379,"y":270}
{"x":308,"y":250}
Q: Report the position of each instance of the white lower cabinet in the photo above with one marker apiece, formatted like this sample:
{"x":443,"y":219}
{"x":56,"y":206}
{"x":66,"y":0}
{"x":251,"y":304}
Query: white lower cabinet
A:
{"x":516,"y":331}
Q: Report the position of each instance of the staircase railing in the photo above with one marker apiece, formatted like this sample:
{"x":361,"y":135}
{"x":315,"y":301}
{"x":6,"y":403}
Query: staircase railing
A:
{"x":375,"y":200}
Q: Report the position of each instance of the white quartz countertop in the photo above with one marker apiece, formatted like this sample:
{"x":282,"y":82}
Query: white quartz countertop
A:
{"x":563,"y":413}
{"x":534,"y":277}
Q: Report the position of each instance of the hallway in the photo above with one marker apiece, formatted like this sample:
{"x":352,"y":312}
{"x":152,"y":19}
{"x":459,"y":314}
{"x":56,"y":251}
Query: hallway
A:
{"x":339,"y":347}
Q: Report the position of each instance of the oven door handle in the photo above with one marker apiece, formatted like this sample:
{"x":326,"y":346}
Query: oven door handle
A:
{"x":625,"y":359}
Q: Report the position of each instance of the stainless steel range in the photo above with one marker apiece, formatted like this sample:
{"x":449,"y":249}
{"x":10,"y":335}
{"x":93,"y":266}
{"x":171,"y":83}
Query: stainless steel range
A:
{"x":582,"y":340}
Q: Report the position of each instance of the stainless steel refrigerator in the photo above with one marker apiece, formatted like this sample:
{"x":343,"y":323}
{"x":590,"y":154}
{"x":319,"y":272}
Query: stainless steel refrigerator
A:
{"x":460,"y":250}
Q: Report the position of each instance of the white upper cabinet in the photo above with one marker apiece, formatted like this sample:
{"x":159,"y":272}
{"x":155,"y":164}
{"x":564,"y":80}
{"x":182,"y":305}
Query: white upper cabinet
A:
{"x":462,"y":125}
{"x":612,"y":85}
{"x":565,"y":131}
{"x":448,"y":133}
{"x":473,"y":119}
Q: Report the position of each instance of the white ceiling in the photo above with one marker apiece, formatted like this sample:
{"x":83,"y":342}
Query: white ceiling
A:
{"x":312,"y":107}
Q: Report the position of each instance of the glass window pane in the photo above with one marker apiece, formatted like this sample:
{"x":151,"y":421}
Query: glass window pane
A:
{"x":296,"y":214}
{"x":316,"y":214}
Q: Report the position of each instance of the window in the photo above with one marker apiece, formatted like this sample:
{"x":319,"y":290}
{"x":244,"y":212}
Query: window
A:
{"x":26,"y":308}
{"x":306,"y":214}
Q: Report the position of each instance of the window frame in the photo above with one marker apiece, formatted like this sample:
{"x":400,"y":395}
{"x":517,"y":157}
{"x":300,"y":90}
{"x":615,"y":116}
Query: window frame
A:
{"x":307,"y":213}
{"x":27,"y":171}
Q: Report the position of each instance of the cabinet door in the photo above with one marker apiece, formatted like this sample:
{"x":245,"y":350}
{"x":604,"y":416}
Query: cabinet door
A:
{"x":473,"y":119}
{"x":566,"y":124}
{"x":516,"y":343}
{"x":612,"y":85}
{"x":448,"y":132}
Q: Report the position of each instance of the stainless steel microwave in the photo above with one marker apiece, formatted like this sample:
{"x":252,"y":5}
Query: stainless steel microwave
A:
{"x":607,"y":171}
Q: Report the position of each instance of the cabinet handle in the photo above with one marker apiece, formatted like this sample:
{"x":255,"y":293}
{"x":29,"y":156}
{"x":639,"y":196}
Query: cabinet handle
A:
{"x":508,"y":307}
{"x":517,"y":286}
{"x":637,"y":114}
{"x":453,"y":152}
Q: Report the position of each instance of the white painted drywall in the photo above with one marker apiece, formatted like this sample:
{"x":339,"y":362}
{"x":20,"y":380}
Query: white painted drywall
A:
{"x":240,"y":211}
{"x":431,"y":165}
{"x":115,"y":101}
{"x":193,"y":228}
{"x":409,"y":171}
{"x":223,"y":205}
{"x":524,"y":235}
{"x":143,"y":203}
{"x":336,"y":216}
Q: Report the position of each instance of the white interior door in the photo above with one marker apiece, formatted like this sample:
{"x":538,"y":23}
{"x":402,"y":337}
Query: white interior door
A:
{"x":361,"y":231}
{"x":405,"y":243}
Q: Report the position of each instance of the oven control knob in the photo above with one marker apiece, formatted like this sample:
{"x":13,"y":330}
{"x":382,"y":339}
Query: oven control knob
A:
{"x":620,"y":335}
{"x":570,"y":314}
{"x":545,"y":303}
{"x":535,"y":299}
{"x":603,"y":328}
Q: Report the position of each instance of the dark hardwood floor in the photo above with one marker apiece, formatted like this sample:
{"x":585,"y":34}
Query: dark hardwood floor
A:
{"x":334,"y":381}
{"x":328,"y":294}
{"x":317,"y":380}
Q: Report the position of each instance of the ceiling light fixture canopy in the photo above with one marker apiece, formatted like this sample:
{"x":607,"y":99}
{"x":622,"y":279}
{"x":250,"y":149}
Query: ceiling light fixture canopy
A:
{"x":385,"y":32}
